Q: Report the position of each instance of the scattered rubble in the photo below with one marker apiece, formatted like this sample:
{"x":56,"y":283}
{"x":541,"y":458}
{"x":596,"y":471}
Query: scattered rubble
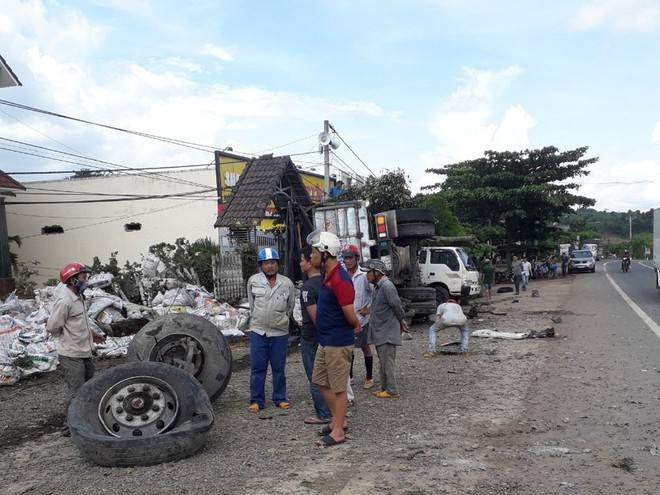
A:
{"x":27,"y":348}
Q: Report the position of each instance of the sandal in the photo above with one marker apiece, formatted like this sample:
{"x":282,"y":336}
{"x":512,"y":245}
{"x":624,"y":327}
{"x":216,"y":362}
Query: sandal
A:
{"x":315,"y":420}
{"x":284,"y":405}
{"x":328,"y":441}
{"x":384,"y":394}
{"x":326,"y":430}
{"x":254,"y":408}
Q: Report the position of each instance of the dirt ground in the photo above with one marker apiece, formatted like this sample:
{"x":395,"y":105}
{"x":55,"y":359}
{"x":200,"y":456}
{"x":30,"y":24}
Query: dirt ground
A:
{"x":460,"y":426}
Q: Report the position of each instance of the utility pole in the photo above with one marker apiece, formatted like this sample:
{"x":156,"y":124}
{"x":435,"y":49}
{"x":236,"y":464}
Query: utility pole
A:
{"x":326,"y":161}
{"x":630,"y":227}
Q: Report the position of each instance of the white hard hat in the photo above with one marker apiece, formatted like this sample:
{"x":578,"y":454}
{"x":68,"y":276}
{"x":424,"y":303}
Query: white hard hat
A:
{"x":325,"y":242}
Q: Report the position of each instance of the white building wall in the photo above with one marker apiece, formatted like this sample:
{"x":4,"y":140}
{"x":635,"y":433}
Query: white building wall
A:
{"x":97,"y":229}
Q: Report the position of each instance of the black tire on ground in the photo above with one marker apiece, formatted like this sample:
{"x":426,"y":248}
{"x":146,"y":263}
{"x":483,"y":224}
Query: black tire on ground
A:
{"x":414,"y":215}
{"x":213,"y":366}
{"x":416,"y":229}
{"x":441,"y":294}
{"x":187,"y":435}
{"x":417,"y":294}
{"x":593,"y":270}
{"x":423,"y":308}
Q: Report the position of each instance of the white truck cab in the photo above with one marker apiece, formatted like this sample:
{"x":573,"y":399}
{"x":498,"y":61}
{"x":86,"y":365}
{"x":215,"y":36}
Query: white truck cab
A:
{"x":449,"y":268}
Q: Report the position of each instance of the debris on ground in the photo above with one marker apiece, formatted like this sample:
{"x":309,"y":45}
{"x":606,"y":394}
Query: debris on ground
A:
{"x":625,"y":463}
{"x":27,"y":348}
{"x":529,"y":334}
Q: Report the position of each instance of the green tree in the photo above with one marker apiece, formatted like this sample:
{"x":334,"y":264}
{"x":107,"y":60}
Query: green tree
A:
{"x":523,"y":192}
{"x":389,"y":191}
{"x":446,"y":223}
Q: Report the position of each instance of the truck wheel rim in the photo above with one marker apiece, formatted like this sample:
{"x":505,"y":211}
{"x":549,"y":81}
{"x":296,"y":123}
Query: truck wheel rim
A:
{"x":182,"y":351}
{"x":139,"y":406}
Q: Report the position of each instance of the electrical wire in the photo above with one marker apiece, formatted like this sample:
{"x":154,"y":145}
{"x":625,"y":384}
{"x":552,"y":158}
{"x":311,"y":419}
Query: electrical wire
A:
{"x":105,"y":162}
{"x":355,"y":175}
{"x":161,"y":167}
{"x":351,"y":150}
{"x":109,"y":200}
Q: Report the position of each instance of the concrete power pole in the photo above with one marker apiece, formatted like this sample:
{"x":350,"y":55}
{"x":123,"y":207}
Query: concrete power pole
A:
{"x":326,"y":161}
{"x":630,"y":227}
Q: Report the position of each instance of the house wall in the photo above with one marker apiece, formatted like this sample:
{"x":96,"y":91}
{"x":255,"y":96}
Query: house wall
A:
{"x":97,"y":229}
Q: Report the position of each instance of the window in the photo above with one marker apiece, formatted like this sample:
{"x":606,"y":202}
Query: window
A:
{"x":422,"y":256}
{"x":441,"y":257}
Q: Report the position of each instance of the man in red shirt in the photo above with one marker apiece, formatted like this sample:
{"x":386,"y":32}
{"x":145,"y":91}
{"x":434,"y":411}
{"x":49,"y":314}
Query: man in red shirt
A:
{"x":337,"y":325}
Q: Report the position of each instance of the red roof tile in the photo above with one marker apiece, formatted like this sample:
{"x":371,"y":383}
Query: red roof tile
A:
{"x":7,"y":182}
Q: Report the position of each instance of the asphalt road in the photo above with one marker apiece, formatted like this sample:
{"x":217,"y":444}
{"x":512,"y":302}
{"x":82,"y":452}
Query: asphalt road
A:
{"x":598,"y":395}
{"x":639,"y":285}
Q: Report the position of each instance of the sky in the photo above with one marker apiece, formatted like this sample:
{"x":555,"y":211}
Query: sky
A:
{"x":411,"y":84}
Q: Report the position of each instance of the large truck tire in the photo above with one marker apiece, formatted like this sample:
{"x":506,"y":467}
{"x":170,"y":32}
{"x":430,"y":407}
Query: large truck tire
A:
{"x":188,"y":342}
{"x":170,"y":415}
{"x":421,"y":230}
{"x":414,"y":215}
{"x":417,"y":294}
{"x":423,"y":308}
{"x":442,"y":294}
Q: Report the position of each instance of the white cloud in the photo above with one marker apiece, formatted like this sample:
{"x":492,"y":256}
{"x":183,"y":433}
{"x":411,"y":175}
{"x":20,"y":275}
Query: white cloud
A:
{"x":615,"y":189}
{"x":466,"y":124}
{"x":619,"y":15}
{"x":218,"y":52}
{"x":655,"y":135}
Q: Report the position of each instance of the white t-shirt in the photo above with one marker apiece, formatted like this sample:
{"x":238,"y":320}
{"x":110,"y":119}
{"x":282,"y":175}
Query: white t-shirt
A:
{"x":451,"y":313}
{"x":527,"y":267}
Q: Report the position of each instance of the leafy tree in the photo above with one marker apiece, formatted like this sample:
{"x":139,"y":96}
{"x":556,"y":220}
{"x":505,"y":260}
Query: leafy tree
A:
{"x":86,"y":173}
{"x":389,"y":191}
{"x":523,"y":192}
{"x":446,"y":222}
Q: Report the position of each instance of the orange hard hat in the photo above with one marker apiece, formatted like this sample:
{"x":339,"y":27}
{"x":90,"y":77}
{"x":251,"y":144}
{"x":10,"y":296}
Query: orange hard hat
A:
{"x":71,"y":270}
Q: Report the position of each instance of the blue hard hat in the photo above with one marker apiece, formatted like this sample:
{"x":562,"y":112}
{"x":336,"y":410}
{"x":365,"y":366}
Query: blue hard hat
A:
{"x":268,"y":254}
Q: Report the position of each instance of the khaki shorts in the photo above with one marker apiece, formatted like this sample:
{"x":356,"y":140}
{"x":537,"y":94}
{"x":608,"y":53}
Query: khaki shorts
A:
{"x":331,"y":367}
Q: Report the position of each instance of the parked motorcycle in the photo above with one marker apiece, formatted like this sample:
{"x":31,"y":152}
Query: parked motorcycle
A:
{"x":625,"y":264}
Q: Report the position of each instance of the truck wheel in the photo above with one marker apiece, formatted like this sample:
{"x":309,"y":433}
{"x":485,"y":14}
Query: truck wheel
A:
{"x":414,"y":215}
{"x":441,"y":294}
{"x":423,"y":308}
{"x":190,"y":343}
{"x":417,"y":294}
{"x":416,"y":229}
{"x":139,"y":414}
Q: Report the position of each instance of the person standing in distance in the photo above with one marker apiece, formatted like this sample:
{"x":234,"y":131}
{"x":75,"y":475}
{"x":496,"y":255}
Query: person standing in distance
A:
{"x":271,"y":297}
{"x":337,"y":325}
{"x":69,"y":323}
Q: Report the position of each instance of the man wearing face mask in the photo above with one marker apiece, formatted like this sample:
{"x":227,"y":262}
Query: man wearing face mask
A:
{"x":69,"y":322}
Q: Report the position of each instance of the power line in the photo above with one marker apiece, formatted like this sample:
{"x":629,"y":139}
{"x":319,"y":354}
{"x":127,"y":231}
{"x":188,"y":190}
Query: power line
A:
{"x":131,"y":169}
{"x":66,"y":153}
{"x":355,"y":175}
{"x":351,"y":150}
{"x":288,"y":144}
{"x":110,"y":200}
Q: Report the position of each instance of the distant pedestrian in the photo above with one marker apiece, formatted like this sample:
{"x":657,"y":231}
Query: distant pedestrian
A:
{"x":385,"y":326}
{"x":337,"y":325}
{"x":272,"y":298}
{"x":553,"y":267}
{"x":449,"y":314}
{"x":527,"y":272}
{"x":68,"y":321}
{"x":517,"y":269}
{"x":565,"y":259}
{"x":487,"y":271}
{"x":309,"y":338}
{"x":362,"y":303}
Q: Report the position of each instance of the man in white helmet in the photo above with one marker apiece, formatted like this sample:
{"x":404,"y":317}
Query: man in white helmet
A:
{"x":337,"y":325}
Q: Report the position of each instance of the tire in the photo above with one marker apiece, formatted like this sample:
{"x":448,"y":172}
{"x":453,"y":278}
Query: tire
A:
{"x":417,"y":294}
{"x":423,"y":308}
{"x":187,"y":435}
{"x":212,"y":367}
{"x":441,"y":294}
{"x":414,"y":215}
{"x":416,"y":229}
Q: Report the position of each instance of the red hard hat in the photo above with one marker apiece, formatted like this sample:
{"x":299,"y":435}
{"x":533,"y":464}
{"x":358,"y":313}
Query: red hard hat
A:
{"x":350,"y":250}
{"x":72,"y":269}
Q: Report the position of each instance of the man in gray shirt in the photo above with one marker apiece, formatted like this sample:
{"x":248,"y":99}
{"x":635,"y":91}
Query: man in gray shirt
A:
{"x":385,"y":325}
{"x":517,"y":268}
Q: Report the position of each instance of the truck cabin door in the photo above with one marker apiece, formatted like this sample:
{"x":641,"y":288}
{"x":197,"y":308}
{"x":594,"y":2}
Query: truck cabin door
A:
{"x":423,"y":266}
{"x":444,"y":267}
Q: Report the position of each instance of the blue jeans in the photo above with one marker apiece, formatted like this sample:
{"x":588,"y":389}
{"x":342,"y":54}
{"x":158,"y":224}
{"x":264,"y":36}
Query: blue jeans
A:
{"x":264,"y":350}
{"x":308,"y":353}
{"x":433,"y":333}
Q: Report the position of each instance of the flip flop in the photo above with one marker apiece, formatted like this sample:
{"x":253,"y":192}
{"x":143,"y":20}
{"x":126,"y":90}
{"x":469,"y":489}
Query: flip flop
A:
{"x":315,"y":420}
{"x":328,"y":441}
{"x":326,"y":430}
